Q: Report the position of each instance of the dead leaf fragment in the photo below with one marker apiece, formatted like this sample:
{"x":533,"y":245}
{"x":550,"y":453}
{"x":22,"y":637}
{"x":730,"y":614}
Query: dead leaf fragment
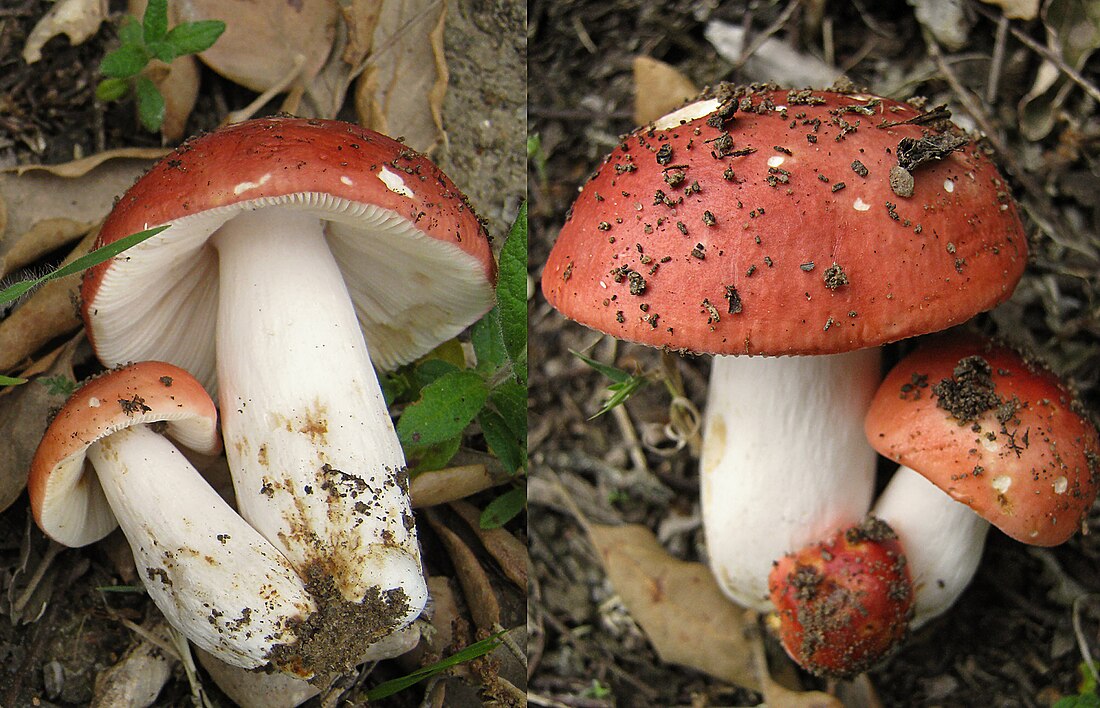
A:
{"x":678,"y":604}
{"x":659,"y":88}
{"x":45,"y":236}
{"x":482,"y":601}
{"x":136,"y":680}
{"x":445,"y":485}
{"x":262,"y":37}
{"x":81,"y":167}
{"x":76,"y":19}
{"x":1017,"y":9}
{"x":401,"y":92}
{"x":508,"y":551}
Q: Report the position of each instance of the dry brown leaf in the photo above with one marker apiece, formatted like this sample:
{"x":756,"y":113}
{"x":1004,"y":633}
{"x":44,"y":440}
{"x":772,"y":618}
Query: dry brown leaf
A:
{"x":1017,"y":9}
{"x":658,"y":89}
{"x":45,"y":236}
{"x":82,"y":191}
{"x":262,"y":37}
{"x":355,"y":27}
{"x":678,"y":604}
{"x":776,"y":694}
{"x":77,"y":19}
{"x":401,"y":92}
{"x":508,"y":551}
{"x":45,"y":315}
{"x":450,"y":483}
{"x":480,"y":598}
{"x":81,"y":167}
{"x":361,"y":18}
{"x":24,"y":414}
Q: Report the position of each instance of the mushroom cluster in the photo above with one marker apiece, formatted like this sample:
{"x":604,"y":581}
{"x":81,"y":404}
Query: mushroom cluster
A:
{"x":301,"y":254}
{"x":983,"y":436}
{"x":791,"y":233}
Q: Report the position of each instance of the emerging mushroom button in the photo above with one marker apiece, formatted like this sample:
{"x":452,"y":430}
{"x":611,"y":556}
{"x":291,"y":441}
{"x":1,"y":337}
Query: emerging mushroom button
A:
{"x":213,"y":576}
{"x":301,"y":250}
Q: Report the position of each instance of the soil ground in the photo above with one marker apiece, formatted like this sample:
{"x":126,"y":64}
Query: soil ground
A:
{"x":1010,"y":640}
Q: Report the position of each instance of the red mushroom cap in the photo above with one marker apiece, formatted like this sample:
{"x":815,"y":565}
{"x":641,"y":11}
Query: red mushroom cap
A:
{"x":769,"y":226}
{"x":995,"y":431}
{"x":376,"y":196}
{"x":67,"y":501}
{"x":843,"y":604}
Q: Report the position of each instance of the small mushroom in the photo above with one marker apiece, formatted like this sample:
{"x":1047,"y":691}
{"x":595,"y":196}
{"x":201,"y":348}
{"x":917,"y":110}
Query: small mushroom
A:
{"x":843,"y":604}
{"x":102,"y":463}
{"x":983,"y":436}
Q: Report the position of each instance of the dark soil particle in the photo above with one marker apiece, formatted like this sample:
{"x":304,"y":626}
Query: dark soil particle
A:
{"x":970,"y":392}
{"x":331,"y":641}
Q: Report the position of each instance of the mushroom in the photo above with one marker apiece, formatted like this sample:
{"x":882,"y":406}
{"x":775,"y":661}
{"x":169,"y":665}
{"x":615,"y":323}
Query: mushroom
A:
{"x":763,"y":222}
{"x":213,"y":576}
{"x":983,"y":436}
{"x":286,"y":236}
{"x":842,"y":604}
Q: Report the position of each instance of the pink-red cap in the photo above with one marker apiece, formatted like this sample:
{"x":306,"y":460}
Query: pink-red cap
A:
{"x":143,"y":393}
{"x":782,"y":223}
{"x":996,"y":431}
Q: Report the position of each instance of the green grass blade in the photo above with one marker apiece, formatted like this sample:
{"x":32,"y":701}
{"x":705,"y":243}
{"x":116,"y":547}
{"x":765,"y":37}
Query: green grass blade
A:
{"x":473,"y":651}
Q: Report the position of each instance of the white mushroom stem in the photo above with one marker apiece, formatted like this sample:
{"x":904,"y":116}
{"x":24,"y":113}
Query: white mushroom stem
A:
{"x":212,"y":575}
{"x":316,"y":463}
{"x":785,"y":462}
{"x":942,"y":538}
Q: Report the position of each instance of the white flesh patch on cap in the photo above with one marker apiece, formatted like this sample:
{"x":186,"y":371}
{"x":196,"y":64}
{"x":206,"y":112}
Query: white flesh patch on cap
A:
{"x":212,"y":575}
{"x":316,"y":463}
{"x":394,"y":183}
{"x":344,"y":179}
{"x":246,"y":186}
{"x":860,"y":205}
{"x":159,"y":302}
{"x":687,"y":114}
{"x":948,"y":186}
{"x":942,"y":540}
{"x":775,"y":161}
{"x":785,"y":462}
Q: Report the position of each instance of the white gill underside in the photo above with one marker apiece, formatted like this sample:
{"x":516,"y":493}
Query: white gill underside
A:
{"x":942,"y":540}
{"x":159,"y":302}
{"x":785,"y":462}
{"x":215,"y":578}
{"x":312,"y":449}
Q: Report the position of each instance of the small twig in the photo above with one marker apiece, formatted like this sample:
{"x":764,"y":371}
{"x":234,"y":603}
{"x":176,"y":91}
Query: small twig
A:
{"x":1082,"y":641}
{"x":148,"y":636}
{"x":997,"y":63}
{"x":52,"y":552}
{"x":583,"y":36}
{"x":507,"y":640}
{"x":752,"y":47}
{"x":633,"y":444}
{"x":279,"y":86}
{"x":1046,"y":53}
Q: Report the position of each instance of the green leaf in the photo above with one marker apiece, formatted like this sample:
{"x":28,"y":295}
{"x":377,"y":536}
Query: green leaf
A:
{"x":510,"y":400}
{"x":488,"y":341}
{"x":155,"y":22}
{"x":131,"y":32}
{"x":504,"y":508}
{"x":60,"y":385}
{"x":125,"y":62}
{"x":433,"y":457}
{"x":163,"y":50}
{"x":512,"y":294}
{"x":112,"y":89}
{"x":473,"y":651}
{"x":150,"y":104}
{"x":13,"y":292}
{"x":620,"y":393}
{"x":195,"y":37}
{"x":611,"y":372}
{"x":502,"y":440}
{"x":429,"y":370}
{"x":445,"y":408}
{"x":11,"y":381}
